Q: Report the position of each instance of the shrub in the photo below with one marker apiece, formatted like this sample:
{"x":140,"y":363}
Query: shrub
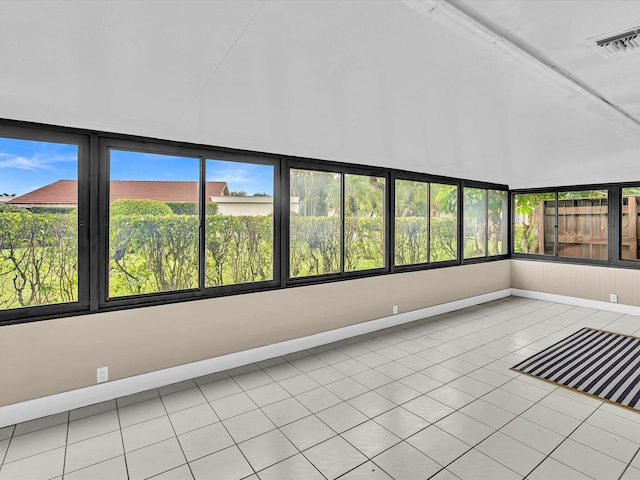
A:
{"x":517,"y":239}
{"x":6,"y":208}
{"x":127,"y":206}
{"x":239,"y":249}
{"x":191,"y":208}
{"x":314,"y":245}
{"x":54,"y":210}
{"x":411,"y":240}
{"x":443,"y":238}
{"x":38,"y":259}
{"x":183,"y":208}
{"x":363,"y":243}
{"x":212,"y":208}
{"x":153,"y":253}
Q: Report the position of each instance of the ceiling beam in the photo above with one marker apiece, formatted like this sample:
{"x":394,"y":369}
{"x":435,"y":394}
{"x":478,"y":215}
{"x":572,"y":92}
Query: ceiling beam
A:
{"x":452,"y":12}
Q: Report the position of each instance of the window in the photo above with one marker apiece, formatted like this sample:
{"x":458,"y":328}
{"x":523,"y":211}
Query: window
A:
{"x":95,"y":222}
{"x":412,"y":222}
{"x":39,"y":261}
{"x":497,"y":222}
{"x":239,"y":227}
{"x":582,"y":224}
{"x":153,"y":223}
{"x":475,"y":227}
{"x":315,"y":227}
{"x":564,"y":224}
{"x":630,"y":248}
{"x":443,"y":223}
{"x":533,"y":226}
{"x":364,"y":222}
{"x":336,"y":223}
{"x":485,"y":222}
{"x":426,"y":222}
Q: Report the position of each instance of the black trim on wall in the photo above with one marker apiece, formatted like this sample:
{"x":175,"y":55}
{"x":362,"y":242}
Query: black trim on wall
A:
{"x":93,"y":201}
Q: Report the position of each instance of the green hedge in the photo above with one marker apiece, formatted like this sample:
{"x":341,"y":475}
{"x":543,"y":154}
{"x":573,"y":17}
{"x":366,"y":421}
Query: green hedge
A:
{"x":239,"y":249}
{"x":128,"y":206}
{"x":443,"y":239}
{"x":6,"y":208}
{"x":191,"y":208}
{"x":54,"y":210}
{"x":411,"y":240}
{"x":151,"y":253}
{"x":38,"y":259}
{"x":183,"y":208}
{"x":314,"y":246}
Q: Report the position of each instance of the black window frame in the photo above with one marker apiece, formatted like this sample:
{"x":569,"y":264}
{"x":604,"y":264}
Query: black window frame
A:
{"x":82,"y":141}
{"x":342,"y":169}
{"x":614,"y":215}
{"x":202,"y":291}
{"x":93,"y":190}
{"x":507,"y":215}
{"x":428,"y":179}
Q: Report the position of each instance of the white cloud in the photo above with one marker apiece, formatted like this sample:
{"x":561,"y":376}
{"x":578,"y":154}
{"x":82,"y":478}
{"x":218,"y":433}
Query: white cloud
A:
{"x":35,"y":163}
{"x":230,"y":175}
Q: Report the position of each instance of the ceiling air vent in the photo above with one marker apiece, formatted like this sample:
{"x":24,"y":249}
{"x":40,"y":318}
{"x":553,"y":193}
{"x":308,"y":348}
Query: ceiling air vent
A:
{"x":618,"y":43}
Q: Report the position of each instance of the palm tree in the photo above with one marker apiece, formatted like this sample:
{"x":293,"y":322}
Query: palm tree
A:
{"x":312,"y":188}
{"x":411,"y":198}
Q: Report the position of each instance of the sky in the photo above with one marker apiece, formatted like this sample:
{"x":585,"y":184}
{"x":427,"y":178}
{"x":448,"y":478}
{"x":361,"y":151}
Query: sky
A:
{"x":27,"y":165}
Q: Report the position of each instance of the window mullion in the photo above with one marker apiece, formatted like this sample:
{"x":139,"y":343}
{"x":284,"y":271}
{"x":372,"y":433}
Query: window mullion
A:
{"x":91,"y":195}
{"x":555,"y":227}
{"x":342,"y":224}
{"x":202,"y":224}
{"x":486,"y":223}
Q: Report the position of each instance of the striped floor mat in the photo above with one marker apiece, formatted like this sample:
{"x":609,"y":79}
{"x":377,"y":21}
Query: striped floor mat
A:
{"x":603,"y":364}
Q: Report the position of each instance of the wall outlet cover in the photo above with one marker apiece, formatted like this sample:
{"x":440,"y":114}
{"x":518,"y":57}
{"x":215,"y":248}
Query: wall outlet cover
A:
{"x":102,"y":374}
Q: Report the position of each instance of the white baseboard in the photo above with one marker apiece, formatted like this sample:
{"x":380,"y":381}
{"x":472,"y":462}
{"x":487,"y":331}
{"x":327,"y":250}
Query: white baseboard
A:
{"x":61,"y":402}
{"x":578,"y":302}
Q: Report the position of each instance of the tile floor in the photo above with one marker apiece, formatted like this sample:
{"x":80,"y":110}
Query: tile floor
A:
{"x":430,"y":399}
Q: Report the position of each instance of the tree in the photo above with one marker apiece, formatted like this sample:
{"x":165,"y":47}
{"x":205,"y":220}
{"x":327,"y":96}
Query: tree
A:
{"x":444,"y":199}
{"x":311,"y":187}
{"x":363,"y":196}
{"x":527,"y":206}
{"x":238,"y":193}
{"x":411,"y":198}
{"x":474,"y":220}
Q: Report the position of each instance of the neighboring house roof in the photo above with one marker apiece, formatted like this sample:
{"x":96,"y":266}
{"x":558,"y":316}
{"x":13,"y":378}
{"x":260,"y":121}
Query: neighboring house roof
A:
{"x":65,"y":192}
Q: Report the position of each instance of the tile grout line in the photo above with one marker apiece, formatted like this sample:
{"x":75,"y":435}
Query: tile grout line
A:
{"x":175,"y":435}
{"x":629,"y":464}
{"x":4,"y":456}
{"x":329,"y":348}
{"x":396,"y":331}
{"x":563,"y":441}
{"x":66,"y":444}
{"x":124,"y":452}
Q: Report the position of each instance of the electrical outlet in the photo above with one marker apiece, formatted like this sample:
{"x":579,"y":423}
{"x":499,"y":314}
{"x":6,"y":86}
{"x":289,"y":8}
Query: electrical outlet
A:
{"x":613,"y":298}
{"x":395,"y":309}
{"x":102,"y":374}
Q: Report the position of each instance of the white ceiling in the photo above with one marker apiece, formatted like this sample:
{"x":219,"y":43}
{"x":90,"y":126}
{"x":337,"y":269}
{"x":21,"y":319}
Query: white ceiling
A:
{"x":465,"y":88}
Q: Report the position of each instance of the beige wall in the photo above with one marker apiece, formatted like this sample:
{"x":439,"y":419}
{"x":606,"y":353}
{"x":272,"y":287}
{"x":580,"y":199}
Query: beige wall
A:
{"x":44,"y":358}
{"x":581,"y":281}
